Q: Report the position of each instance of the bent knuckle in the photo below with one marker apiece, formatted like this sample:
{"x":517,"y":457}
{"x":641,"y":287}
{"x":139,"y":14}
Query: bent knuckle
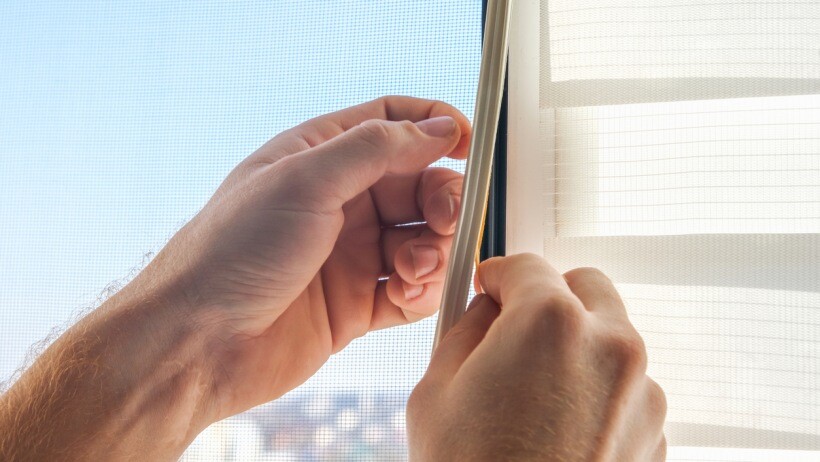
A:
{"x":288,"y":165}
{"x":298,"y":177}
{"x":557,"y":319}
{"x":386,"y":100}
{"x":375,"y":132}
{"x":415,"y":400}
{"x":406,"y":126}
{"x":515,"y":266}
{"x":420,"y":399}
{"x":656,"y":401}
{"x":290,"y":172}
{"x":561,"y":305}
{"x":628,"y":352}
{"x":527,"y":258}
{"x":578,"y":275}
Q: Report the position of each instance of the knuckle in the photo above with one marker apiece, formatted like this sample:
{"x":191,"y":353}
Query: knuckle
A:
{"x":385,"y":100}
{"x":288,"y":165}
{"x":561,"y":305}
{"x":580,"y":274}
{"x":628,"y":353}
{"x":558,"y":319}
{"x":375,"y":132}
{"x":656,"y":401}
{"x":415,"y":400}
{"x":382,"y":100}
{"x":288,"y":171}
{"x":406,"y":126}
{"x":522,"y":263}
{"x":419,"y":399}
{"x":297,"y":177}
{"x":527,"y":258}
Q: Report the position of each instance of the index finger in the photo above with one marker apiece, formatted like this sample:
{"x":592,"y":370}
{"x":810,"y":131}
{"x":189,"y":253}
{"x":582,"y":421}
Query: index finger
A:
{"x":524,"y":279}
{"x":395,"y":108}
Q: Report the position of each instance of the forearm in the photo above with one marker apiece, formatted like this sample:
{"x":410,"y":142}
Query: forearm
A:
{"x":127,"y":382}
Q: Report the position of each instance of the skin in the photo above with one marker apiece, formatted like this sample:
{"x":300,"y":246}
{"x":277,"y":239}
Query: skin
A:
{"x":331,"y":229}
{"x":281,"y":268}
{"x":543,"y":366}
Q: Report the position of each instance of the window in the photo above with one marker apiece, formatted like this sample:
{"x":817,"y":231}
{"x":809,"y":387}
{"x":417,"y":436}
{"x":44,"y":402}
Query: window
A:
{"x":679,"y":151}
{"x":118,"y":122}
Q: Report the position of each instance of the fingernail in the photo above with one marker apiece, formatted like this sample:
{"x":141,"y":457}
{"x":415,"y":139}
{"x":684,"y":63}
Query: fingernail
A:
{"x":438,"y":126}
{"x":453,"y":203}
{"x":411,"y":291}
{"x":425,"y":259}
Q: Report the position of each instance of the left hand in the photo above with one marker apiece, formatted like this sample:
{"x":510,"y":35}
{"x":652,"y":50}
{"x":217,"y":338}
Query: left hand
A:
{"x":286,"y":264}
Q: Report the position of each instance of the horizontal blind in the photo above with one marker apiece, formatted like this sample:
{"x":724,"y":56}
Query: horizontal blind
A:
{"x":746,"y":165}
{"x":680,"y":147}
{"x":651,"y":39}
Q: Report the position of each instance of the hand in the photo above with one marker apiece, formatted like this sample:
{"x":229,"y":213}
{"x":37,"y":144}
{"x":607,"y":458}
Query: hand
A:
{"x":542,"y":367}
{"x":286,"y":263}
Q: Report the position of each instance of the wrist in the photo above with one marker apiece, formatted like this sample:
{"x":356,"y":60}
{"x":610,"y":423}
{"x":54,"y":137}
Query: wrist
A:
{"x":127,"y":382}
{"x":158,"y":367}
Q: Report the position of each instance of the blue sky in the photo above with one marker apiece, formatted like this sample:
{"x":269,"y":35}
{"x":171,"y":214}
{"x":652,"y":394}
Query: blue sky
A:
{"x":119,"y":119}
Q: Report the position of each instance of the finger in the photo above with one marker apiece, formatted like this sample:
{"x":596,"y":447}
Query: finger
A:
{"x":596,"y":291}
{"x":392,"y":239}
{"x":325,"y":177}
{"x":416,"y":300}
{"x":423,"y":259}
{"x":463,"y":338}
{"x":440,"y":206}
{"x":392,"y":108}
{"x":523,"y":280}
{"x":388,"y":314}
{"x":400,"y":243}
{"x":432,"y":195}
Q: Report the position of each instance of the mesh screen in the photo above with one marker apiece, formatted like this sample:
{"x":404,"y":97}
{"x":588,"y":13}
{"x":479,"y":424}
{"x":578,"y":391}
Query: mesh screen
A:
{"x":120,"y":119}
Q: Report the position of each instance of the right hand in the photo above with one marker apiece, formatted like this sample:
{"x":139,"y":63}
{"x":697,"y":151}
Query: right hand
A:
{"x":543,"y":366}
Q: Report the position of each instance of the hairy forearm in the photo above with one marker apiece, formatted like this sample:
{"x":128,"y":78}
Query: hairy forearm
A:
{"x":127,"y":382}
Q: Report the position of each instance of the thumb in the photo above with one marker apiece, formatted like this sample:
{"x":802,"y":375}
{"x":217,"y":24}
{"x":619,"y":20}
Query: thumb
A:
{"x":342,"y":168}
{"x":462,"y":339}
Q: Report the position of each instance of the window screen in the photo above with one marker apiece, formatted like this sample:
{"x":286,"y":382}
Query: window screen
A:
{"x":676,"y":145}
{"x":120,"y":119}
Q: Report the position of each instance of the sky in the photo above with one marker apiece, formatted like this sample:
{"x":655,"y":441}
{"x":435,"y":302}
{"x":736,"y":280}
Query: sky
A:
{"x":119,"y":119}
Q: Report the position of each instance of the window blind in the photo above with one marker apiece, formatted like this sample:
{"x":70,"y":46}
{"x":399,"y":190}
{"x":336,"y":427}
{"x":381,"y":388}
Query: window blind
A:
{"x":675,"y":144}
